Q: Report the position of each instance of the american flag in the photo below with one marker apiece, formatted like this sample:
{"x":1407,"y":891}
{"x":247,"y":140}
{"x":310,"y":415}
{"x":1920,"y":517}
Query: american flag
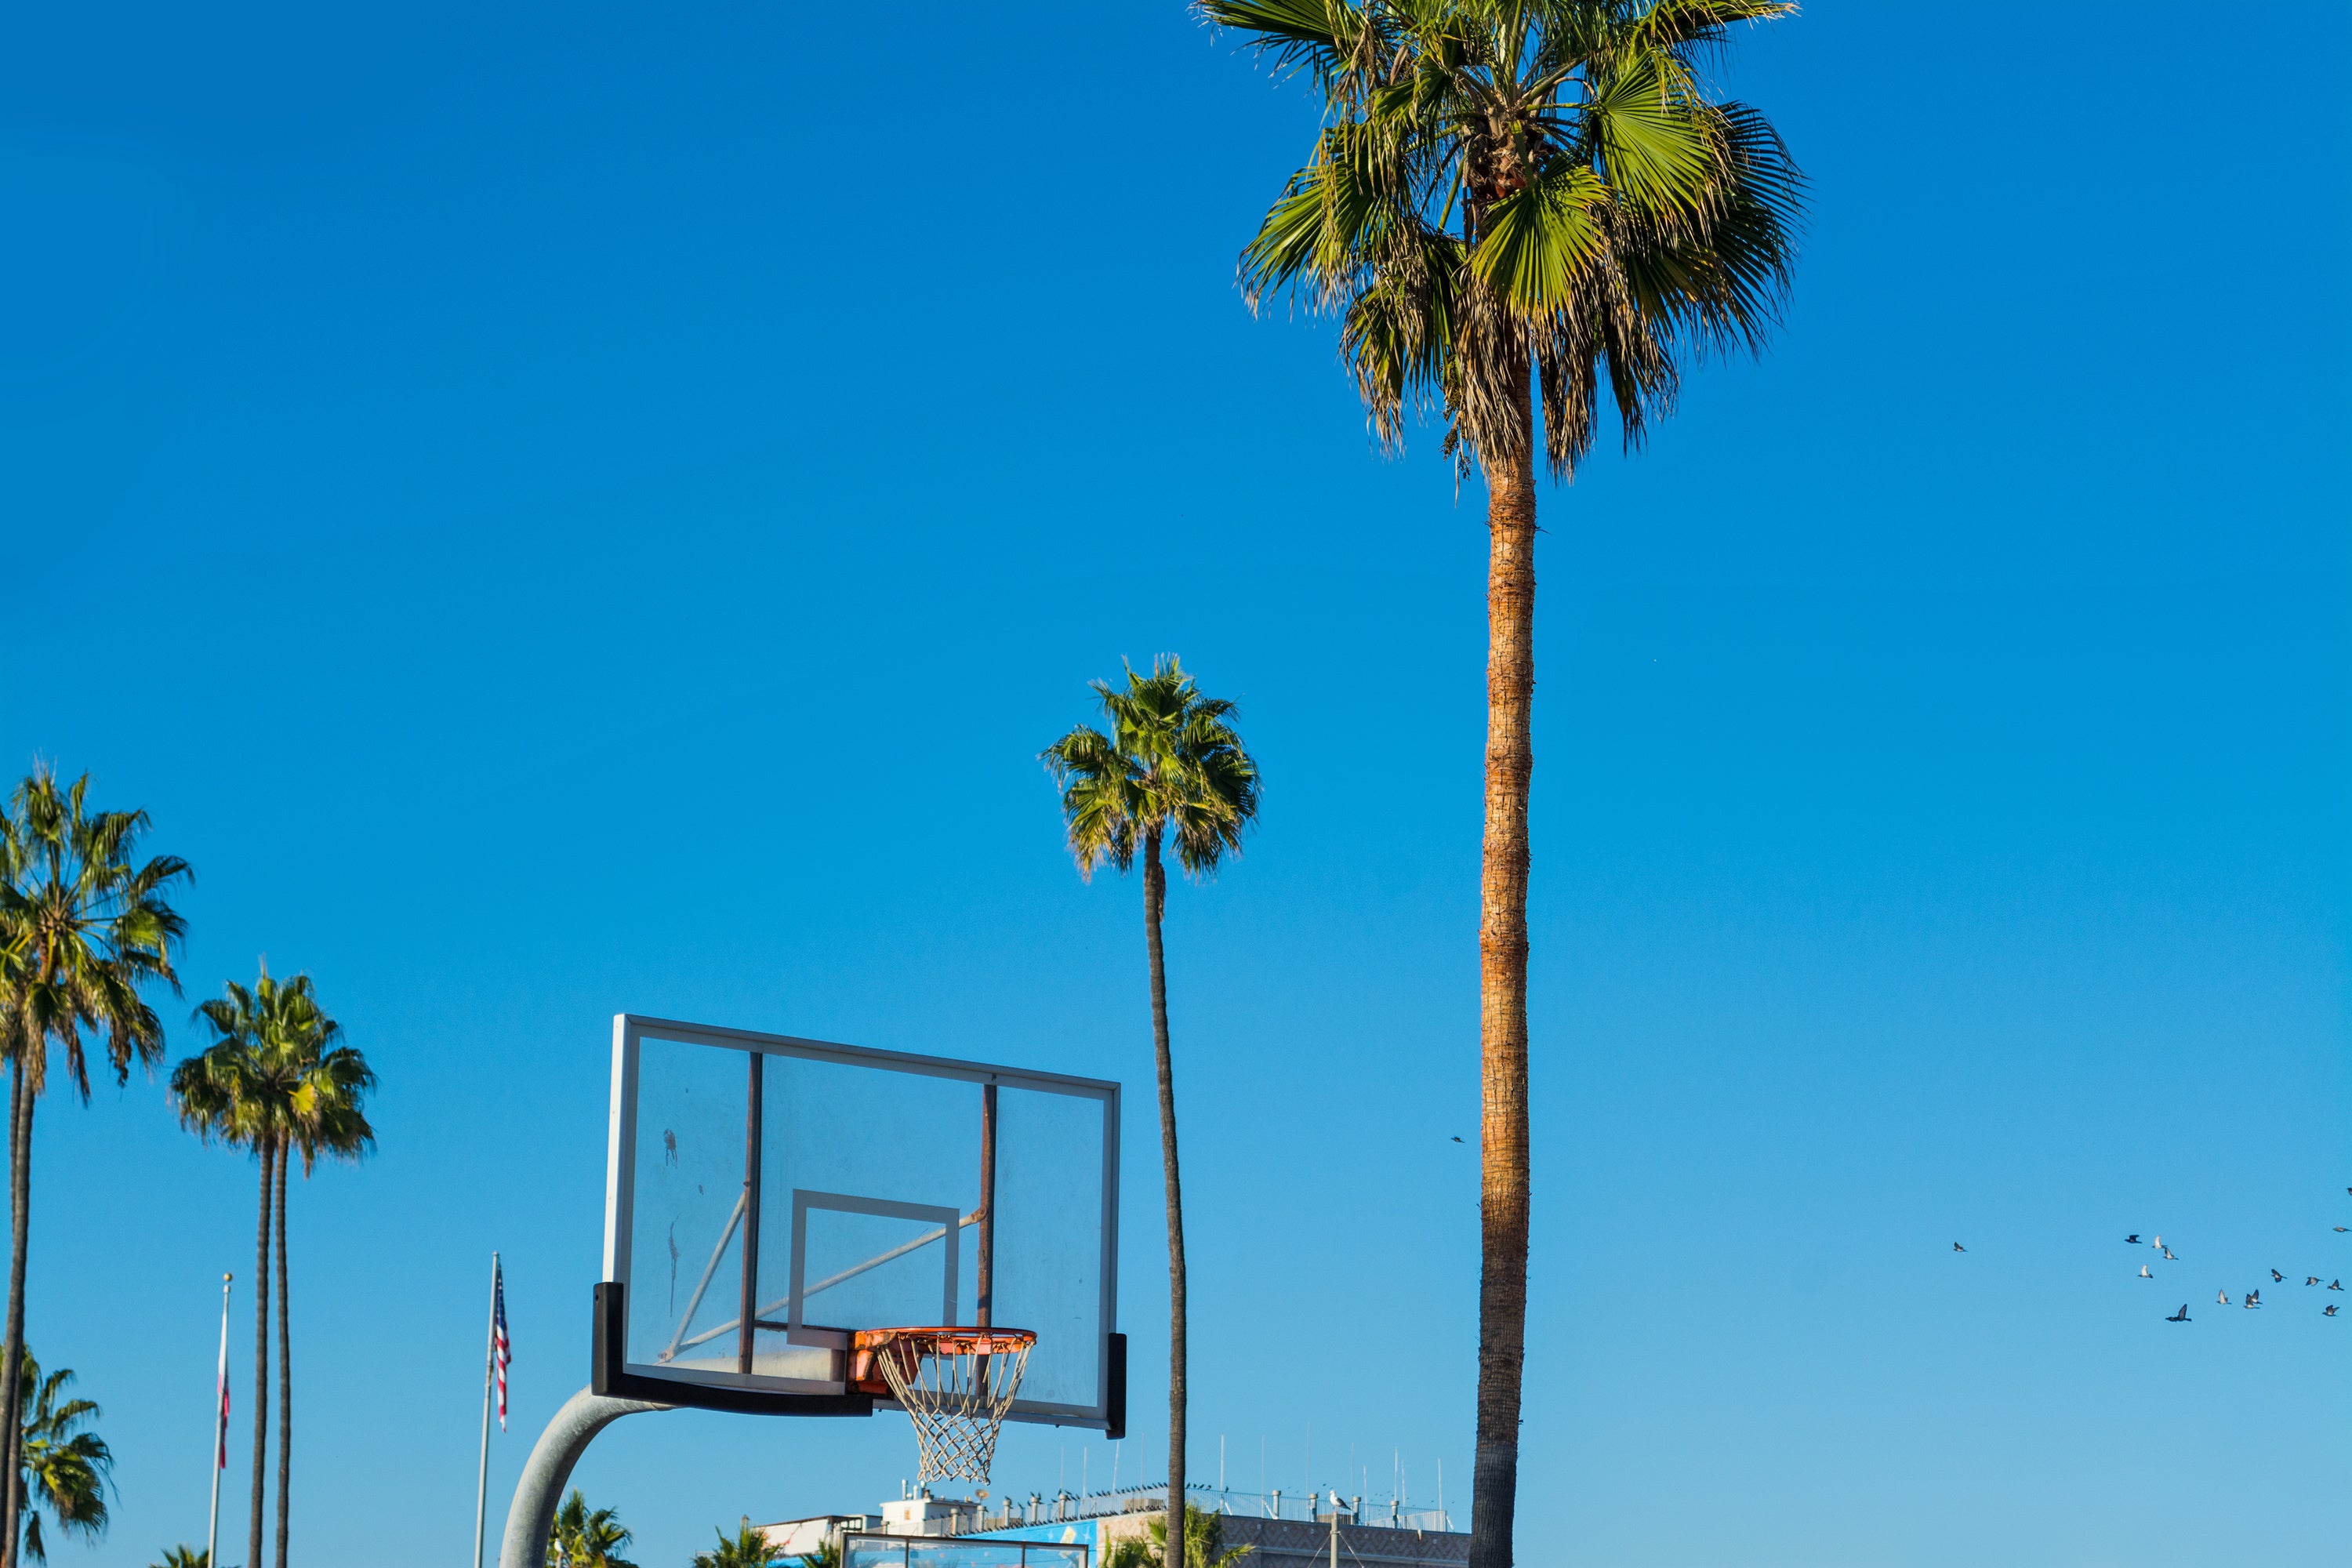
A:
{"x":501,"y":1348}
{"x":220,"y":1419}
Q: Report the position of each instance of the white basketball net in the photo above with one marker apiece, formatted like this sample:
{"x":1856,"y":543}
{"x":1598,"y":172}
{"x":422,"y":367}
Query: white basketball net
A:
{"x":956,"y":1387}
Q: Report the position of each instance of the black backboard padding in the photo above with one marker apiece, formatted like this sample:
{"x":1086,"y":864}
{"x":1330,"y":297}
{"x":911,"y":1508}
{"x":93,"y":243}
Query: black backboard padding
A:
{"x":1117,"y":1400}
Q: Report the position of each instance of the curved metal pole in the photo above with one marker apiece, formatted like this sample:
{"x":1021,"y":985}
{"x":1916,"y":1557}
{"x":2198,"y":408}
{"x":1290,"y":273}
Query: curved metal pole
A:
{"x":532,"y":1513}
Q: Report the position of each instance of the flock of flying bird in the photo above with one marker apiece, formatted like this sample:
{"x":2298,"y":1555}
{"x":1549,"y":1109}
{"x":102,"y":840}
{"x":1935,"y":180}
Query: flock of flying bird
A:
{"x":2254,"y":1297}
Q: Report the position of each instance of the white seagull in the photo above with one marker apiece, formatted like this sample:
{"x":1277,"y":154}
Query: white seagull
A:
{"x":2144,"y":1273}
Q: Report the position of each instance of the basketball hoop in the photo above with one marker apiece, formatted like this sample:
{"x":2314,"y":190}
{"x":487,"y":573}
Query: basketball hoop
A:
{"x":955,"y":1385}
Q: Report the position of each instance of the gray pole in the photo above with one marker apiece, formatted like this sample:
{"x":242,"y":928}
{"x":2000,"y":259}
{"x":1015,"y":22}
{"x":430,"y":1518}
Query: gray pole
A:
{"x":745,"y":1321}
{"x":220,"y":1428}
{"x":490,"y":1371}
{"x":532,"y":1512}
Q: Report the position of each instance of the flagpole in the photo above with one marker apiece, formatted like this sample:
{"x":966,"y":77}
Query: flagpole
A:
{"x":219,"y":1456}
{"x":490,"y":1371}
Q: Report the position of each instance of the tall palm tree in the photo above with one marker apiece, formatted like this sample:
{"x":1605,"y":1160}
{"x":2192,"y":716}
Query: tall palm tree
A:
{"x":65,"y":1466}
{"x":276,"y":1081}
{"x":583,"y":1537}
{"x":184,"y":1556}
{"x":1171,"y":772}
{"x":83,"y":927}
{"x":1509,"y":200}
{"x":329,"y":1118}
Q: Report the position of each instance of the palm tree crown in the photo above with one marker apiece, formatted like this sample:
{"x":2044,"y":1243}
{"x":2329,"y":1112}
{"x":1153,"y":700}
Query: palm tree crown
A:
{"x":747,"y":1548}
{"x":1204,"y":1542}
{"x":277,"y":1074}
{"x":83,"y":928}
{"x":1508,"y":186}
{"x":583,"y":1537}
{"x":65,"y":1466}
{"x":1170,"y":768}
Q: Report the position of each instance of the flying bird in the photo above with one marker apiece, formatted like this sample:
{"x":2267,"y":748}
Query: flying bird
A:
{"x":2144,"y":1273}
{"x":2311,"y":1279}
{"x":1957,"y":1247}
{"x":2172,"y":1254}
{"x":2222,"y":1296}
{"x":2157,"y":1244}
{"x":2180,"y":1317}
{"x":2336,"y":1284}
{"x":2343,"y":1228}
{"x":2132,"y":1240}
{"x":2253,"y":1299}
{"x":2277,"y":1278}
{"x":1457,"y":1139}
{"x":2329,"y":1311}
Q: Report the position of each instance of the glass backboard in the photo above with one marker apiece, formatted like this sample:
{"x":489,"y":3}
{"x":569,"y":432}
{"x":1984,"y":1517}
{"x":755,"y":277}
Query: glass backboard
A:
{"x":767,"y":1197}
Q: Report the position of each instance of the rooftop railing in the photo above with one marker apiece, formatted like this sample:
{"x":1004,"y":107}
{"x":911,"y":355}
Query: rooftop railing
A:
{"x":1009,"y":1513}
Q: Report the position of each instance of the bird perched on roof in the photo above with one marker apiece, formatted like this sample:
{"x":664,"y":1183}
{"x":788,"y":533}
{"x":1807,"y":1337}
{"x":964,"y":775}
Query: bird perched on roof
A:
{"x":2144,"y":1273}
{"x":2132,"y":1240}
{"x":2180,"y":1317}
{"x":2277,"y":1278}
{"x":1957,"y":1247}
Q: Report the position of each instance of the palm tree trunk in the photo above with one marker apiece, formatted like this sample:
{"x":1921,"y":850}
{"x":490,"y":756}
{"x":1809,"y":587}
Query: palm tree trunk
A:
{"x":269,"y":1152}
{"x":11,"y":1343}
{"x":1155,"y":906}
{"x":285,"y":1370}
{"x":1503,"y":995}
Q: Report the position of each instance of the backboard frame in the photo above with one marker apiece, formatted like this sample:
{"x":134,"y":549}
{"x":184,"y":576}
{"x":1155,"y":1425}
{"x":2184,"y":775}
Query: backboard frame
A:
{"x":612,"y":1372}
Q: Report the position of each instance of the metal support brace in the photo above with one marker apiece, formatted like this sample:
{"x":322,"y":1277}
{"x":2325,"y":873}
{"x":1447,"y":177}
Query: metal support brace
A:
{"x":541,"y":1488}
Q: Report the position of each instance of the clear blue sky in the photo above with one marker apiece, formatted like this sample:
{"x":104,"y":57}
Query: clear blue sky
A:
{"x":557,"y":510}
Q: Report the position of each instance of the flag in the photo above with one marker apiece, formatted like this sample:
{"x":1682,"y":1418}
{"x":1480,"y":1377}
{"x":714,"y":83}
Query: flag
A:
{"x":502,"y":1349}
{"x":220,"y":1460}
